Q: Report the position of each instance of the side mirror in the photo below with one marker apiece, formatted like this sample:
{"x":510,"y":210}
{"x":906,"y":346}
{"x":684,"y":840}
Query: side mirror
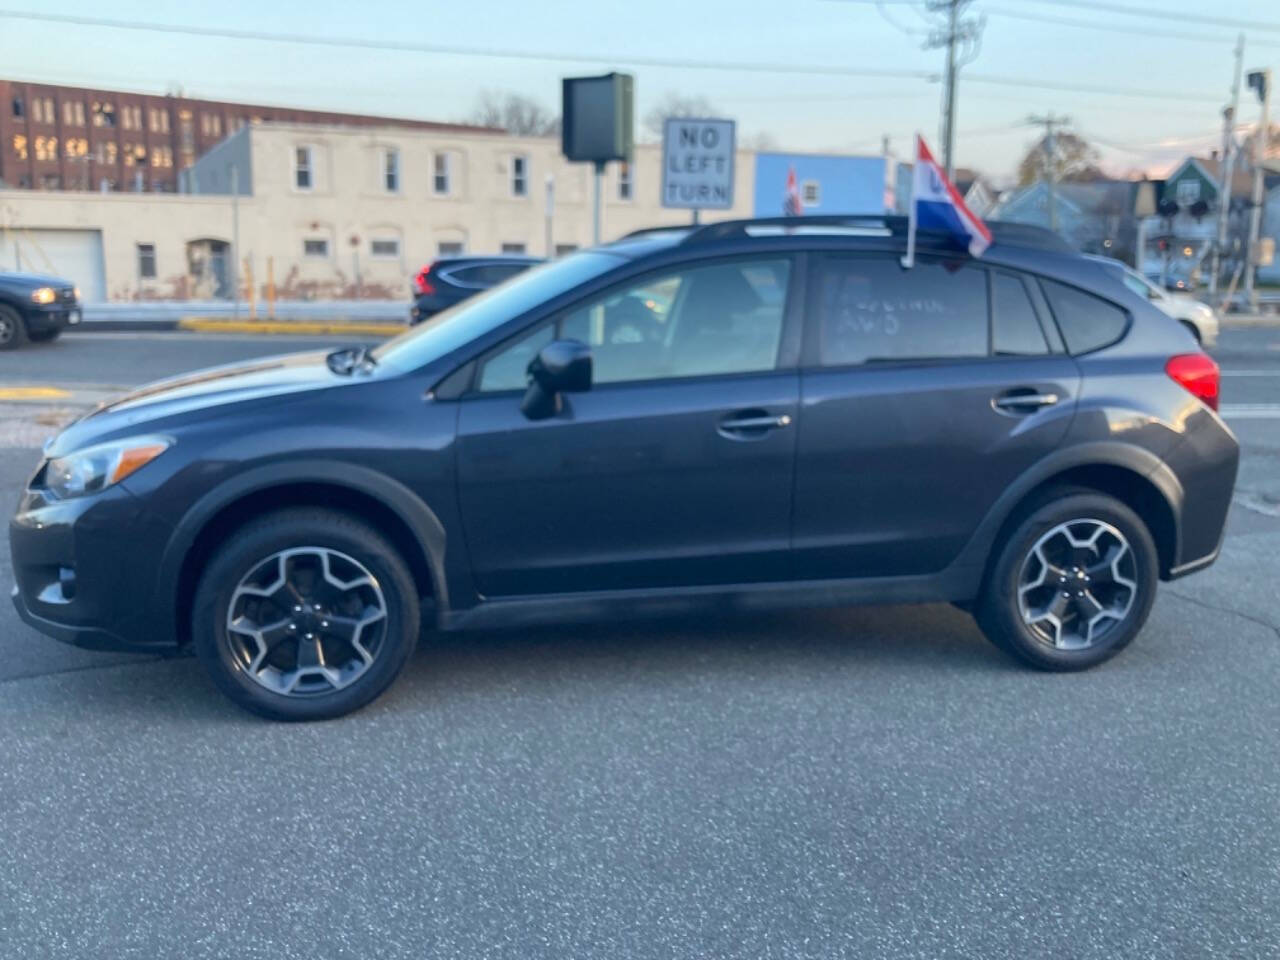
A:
{"x":562,"y":366}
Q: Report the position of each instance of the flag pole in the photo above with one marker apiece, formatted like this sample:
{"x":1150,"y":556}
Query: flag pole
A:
{"x":910,"y":259}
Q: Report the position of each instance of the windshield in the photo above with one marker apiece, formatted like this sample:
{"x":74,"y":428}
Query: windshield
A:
{"x":459,"y":325}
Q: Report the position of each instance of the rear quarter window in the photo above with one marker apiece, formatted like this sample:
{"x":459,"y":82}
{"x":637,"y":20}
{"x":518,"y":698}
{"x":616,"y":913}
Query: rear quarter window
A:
{"x":1087,"y":322}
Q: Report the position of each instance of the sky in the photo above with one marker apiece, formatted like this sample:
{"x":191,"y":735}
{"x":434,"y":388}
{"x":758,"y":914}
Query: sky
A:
{"x":1113,"y":53}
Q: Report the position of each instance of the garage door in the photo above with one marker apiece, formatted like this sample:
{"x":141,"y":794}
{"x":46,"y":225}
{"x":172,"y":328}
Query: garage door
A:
{"x":73,"y":254}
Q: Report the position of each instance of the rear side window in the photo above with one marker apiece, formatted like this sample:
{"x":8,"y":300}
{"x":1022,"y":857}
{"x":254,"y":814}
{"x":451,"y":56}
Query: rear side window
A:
{"x":1087,"y":322}
{"x":1015,"y":328}
{"x":871,"y":309}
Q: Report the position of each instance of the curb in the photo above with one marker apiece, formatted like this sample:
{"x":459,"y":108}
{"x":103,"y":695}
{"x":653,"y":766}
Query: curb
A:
{"x":303,"y":327}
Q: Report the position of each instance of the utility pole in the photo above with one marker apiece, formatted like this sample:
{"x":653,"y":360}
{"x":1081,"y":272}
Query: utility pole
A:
{"x":1051,"y":124}
{"x":1259,"y":82}
{"x":962,"y":38}
{"x":1228,"y":169}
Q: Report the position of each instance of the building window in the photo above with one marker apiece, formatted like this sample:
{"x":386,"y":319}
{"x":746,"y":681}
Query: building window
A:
{"x":19,"y":110}
{"x":315,"y":247}
{"x":384,"y":247}
{"x":135,"y":154}
{"x":624,"y":181}
{"x":104,"y":114}
{"x":20,"y":146}
{"x":131,"y":118}
{"x":46,"y":148}
{"x":513,"y":248}
{"x":147,"y":261}
{"x":107,"y":152}
{"x":159,"y":120}
{"x":42,"y":110}
{"x":519,"y":176}
{"x":303,"y":170}
{"x":50,"y":181}
{"x":563,"y":248}
{"x":811,"y":193}
{"x":73,"y":113}
{"x":162,"y":156}
{"x":1188,"y":192}
{"x":391,"y":170}
{"x":448,"y":248}
{"x":77,"y":148}
{"x":211,"y":125}
{"x":440,"y":179}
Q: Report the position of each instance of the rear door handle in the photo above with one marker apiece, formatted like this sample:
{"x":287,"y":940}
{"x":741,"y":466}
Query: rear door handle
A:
{"x":1018,"y":401}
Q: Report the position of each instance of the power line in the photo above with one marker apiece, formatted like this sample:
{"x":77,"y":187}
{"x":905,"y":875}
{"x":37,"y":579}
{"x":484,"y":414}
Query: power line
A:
{"x":1163,"y":12}
{"x":1112,"y":28}
{"x":402,"y":46}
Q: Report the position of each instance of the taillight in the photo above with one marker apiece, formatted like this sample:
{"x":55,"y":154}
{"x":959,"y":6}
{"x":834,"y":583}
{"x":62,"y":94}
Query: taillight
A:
{"x":422,"y":283}
{"x":1197,"y":373}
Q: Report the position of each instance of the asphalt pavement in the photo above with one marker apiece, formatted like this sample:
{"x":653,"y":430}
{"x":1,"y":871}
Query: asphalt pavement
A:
{"x":877,"y":782}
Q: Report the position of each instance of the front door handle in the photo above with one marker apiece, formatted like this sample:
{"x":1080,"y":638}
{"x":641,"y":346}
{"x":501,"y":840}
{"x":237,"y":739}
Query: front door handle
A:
{"x":751,"y":424}
{"x":1024,"y":401}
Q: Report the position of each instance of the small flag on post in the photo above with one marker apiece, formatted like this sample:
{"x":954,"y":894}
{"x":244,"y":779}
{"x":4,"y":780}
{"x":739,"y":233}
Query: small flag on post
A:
{"x":791,"y":205}
{"x":937,"y":205}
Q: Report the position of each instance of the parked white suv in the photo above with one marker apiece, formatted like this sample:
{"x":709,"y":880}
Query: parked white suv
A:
{"x":1197,"y":317}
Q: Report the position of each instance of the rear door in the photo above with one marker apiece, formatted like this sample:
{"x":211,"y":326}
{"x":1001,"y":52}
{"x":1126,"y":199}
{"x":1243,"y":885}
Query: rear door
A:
{"x":675,"y":469}
{"x":924,"y":392}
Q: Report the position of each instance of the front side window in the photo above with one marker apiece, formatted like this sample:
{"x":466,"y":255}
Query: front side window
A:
{"x":391,"y":170}
{"x":303,"y":177}
{"x":519,"y":176}
{"x":1087,"y":322}
{"x":701,"y":321}
{"x":870,"y":309}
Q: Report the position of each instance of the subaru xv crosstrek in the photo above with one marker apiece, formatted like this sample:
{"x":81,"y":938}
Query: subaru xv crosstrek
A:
{"x":745,"y":414}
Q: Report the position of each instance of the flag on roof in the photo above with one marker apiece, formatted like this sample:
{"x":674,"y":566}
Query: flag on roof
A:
{"x":791,"y":205}
{"x":937,"y":205}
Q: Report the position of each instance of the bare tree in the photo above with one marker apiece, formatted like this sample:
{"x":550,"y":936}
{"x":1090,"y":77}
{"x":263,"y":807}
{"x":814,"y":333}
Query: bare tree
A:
{"x":760,"y":142}
{"x":513,"y":113}
{"x":676,"y":105}
{"x":1074,"y":158}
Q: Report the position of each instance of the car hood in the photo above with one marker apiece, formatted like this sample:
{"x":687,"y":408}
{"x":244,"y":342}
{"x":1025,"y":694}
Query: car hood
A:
{"x":31,"y":281}
{"x":207,"y":389}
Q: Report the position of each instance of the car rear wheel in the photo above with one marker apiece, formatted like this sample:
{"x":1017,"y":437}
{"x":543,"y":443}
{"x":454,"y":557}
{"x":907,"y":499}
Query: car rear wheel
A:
{"x":12,"y":331}
{"x":1073,"y":582}
{"x":305,"y":614}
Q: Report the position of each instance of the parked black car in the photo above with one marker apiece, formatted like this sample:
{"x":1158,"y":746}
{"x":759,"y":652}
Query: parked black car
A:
{"x":449,"y":280}
{"x":34,"y":307}
{"x":745,"y":414}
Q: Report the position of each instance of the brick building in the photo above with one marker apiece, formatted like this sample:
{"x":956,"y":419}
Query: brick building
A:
{"x":77,"y":138}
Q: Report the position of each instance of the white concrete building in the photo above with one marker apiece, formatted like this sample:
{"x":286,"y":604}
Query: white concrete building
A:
{"x":332,"y":212}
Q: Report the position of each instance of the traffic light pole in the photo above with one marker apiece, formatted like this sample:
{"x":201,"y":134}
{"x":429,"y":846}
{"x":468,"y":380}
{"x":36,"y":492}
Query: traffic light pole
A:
{"x":1228,"y":170}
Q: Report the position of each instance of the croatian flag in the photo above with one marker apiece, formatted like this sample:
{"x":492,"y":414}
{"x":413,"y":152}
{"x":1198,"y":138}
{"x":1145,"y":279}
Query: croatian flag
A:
{"x":937,"y":205}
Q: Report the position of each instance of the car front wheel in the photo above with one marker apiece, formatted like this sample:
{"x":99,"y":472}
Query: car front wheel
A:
{"x":12,"y":331}
{"x":1072,"y":583}
{"x":305,"y":614}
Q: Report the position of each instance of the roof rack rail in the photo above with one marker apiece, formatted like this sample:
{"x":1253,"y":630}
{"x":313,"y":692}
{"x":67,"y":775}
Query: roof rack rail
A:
{"x":1003,"y":232}
{"x":650,"y":231}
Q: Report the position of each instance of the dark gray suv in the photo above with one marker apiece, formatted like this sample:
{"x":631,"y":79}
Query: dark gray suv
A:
{"x":746,"y":414}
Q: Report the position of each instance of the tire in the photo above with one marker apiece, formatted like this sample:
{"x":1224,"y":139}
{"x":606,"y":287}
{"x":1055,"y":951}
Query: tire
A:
{"x":1055,"y":522}
{"x":13,"y":332}
{"x":44,"y":336}
{"x":328,"y":550}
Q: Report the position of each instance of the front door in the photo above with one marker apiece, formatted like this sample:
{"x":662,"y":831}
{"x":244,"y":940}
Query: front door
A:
{"x":675,"y":469}
{"x":925,"y":392}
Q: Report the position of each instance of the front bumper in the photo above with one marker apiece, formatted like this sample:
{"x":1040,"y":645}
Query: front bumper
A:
{"x":86,"y":570}
{"x":54,"y":316}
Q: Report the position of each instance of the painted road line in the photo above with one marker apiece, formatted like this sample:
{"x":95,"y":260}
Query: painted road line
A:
{"x":33,"y":393}
{"x":1252,"y":373}
{"x":1250,"y":411}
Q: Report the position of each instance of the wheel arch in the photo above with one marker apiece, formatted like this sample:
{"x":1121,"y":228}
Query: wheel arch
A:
{"x":1133,"y":475}
{"x":385,"y":504}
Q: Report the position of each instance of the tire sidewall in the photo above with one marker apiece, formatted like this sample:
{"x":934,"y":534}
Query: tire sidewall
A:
{"x":19,"y":336}
{"x":255,"y":544}
{"x":1001,"y":618}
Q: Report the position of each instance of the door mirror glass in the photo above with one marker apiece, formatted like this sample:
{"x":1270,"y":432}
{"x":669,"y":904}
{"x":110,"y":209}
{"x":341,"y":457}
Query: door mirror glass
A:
{"x":562,"y":366}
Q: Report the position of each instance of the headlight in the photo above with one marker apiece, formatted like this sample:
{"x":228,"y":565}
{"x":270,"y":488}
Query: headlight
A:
{"x":44,"y":295}
{"x":76,"y":292}
{"x":96,"y":468}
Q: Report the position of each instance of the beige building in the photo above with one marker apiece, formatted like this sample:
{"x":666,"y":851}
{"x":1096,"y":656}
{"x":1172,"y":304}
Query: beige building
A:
{"x":333,"y":212}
